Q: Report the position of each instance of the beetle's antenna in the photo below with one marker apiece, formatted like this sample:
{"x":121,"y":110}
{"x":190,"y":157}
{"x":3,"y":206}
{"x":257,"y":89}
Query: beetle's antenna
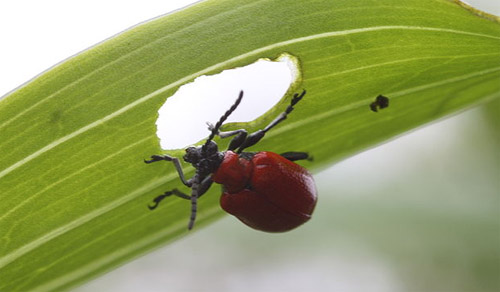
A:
{"x":215,"y":129}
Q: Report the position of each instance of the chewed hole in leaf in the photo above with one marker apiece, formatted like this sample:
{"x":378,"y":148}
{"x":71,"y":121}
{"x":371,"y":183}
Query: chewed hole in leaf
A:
{"x":182,"y":118}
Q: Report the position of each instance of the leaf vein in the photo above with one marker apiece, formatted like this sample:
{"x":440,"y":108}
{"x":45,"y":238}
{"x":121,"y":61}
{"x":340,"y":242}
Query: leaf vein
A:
{"x":13,"y":255}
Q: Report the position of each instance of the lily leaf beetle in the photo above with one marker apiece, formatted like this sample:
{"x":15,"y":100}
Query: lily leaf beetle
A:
{"x":264,"y":190}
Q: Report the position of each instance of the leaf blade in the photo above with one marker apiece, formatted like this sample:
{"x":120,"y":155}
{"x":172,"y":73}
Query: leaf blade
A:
{"x":92,"y":128}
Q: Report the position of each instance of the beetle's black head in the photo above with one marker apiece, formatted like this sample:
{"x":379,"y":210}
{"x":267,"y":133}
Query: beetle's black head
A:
{"x":206,"y":158}
{"x":193,"y":155}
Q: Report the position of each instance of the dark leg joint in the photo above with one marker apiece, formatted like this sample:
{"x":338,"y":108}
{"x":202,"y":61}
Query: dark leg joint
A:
{"x":252,"y":139}
{"x":238,"y":140}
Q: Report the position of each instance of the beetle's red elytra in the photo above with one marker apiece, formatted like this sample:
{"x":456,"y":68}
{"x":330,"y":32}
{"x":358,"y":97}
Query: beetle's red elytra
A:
{"x":271,"y":193}
{"x":264,"y":190}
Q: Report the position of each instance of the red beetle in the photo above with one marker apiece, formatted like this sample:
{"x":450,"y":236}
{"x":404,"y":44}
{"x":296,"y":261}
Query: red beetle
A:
{"x":265,"y":190}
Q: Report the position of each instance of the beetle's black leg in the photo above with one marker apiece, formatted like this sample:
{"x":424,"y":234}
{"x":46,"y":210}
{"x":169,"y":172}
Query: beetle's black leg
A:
{"x":204,"y":185}
{"x":238,"y":140}
{"x":160,"y":198}
{"x":177,"y":165}
{"x":296,"y":98}
{"x":294,"y":156}
{"x":255,"y":137}
{"x":198,"y":189}
{"x":240,"y":136}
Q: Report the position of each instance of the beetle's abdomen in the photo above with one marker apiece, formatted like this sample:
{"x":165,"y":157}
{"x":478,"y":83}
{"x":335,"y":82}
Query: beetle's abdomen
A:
{"x":281,"y":195}
{"x":256,"y":211}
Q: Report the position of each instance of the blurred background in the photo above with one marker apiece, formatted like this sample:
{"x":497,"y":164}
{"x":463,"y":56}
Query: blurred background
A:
{"x":420,"y":213}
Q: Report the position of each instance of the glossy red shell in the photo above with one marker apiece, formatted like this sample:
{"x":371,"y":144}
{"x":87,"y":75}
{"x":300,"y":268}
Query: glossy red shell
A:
{"x":268,"y":192}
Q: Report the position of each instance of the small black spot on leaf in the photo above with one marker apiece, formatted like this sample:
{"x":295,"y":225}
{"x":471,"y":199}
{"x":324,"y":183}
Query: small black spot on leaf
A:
{"x":380,"y":102}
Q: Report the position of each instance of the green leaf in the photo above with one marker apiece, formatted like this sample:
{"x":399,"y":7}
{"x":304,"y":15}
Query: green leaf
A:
{"x":73,"y":185}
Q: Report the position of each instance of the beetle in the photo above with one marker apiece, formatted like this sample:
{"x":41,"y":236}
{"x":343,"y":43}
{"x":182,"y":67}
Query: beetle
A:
{"x":264,"y":190}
